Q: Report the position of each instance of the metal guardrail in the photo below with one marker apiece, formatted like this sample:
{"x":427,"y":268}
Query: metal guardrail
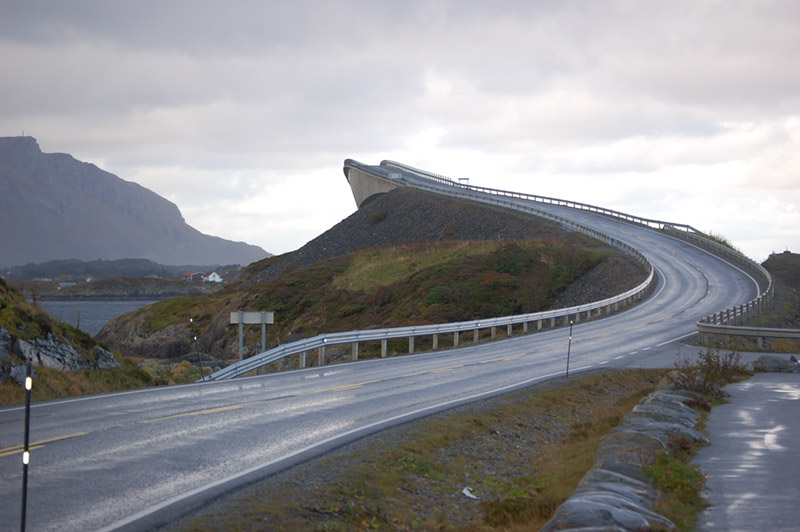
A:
{"x":711,"y":331}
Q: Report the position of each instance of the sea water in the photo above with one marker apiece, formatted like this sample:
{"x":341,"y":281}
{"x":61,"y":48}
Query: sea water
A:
{"x":91,"y":316}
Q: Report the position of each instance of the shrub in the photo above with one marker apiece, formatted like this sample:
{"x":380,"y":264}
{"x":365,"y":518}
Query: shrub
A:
{"x":710,"y":372}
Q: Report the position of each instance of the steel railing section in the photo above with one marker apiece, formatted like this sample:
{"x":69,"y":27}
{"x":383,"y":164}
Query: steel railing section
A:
{"x":711,"y":324}
{"x":324,"y":340}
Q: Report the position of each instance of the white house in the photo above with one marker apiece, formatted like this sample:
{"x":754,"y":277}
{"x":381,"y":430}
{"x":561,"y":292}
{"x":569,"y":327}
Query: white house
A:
{"x":212,"y":277}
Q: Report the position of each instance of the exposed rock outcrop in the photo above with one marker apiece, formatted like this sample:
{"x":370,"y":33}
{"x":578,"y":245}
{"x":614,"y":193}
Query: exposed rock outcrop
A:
{"x":776,"y":364}
{"x":51,"y":352}
{"x":6,"y":342}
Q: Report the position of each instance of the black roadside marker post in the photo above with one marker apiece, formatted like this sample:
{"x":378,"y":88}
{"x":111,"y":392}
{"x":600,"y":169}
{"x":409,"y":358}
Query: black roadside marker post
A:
{"x":569,"y":345}
{"x":26,"y":455}
{"x":199,"y":358}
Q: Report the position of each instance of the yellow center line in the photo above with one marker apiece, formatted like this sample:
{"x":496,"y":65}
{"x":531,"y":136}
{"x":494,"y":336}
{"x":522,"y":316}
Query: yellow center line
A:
{"x":200,"y":412}
{"x":17,"y":451}
{"x":503,"y":359}
{"x":338,"y":389}
{"x":415,"y":374}
{"x":37,"y":444}
{"x":441,"y":370}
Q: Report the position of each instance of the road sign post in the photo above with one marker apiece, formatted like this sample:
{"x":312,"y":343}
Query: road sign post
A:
{"x":242,"y":317}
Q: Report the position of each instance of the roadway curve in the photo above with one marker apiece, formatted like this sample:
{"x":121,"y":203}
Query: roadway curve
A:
{"x":134,"y":459}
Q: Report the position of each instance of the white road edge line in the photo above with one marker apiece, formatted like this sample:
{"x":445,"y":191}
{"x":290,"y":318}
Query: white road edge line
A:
{"x":662,"y":344}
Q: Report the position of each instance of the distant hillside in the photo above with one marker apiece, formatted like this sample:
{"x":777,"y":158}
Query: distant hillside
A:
{"x":53,"y":206}
{"x":74,"y":269}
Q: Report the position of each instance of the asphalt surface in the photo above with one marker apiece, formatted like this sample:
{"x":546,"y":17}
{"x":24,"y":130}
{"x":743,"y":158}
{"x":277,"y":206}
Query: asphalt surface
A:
{"x":752,"y":467}
{"x":133,"y":459}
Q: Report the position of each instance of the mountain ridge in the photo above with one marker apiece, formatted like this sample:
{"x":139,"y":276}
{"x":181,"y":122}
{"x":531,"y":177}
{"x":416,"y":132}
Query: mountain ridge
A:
{"x":55,"y":207}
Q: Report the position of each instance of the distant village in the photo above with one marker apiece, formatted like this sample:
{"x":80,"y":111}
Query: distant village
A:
{"x":209,"y":277}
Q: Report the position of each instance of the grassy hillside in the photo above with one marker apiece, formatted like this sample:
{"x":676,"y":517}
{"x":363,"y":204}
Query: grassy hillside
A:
{"x":412,"y":284}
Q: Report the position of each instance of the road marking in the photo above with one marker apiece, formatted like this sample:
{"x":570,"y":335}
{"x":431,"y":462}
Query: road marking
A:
{"x":633,"y":352}
{"x":676,"y":339}
{"x":603,"y":363}
{"x":415,"y":374}
{"x":442,"y":370}
{"x":617,"y":358}
{"x":199,"y":412}
{"x":647,"y":349}
{"x":8,"y":451}
{"x":502,"y":359}
{"x":338,"y":388}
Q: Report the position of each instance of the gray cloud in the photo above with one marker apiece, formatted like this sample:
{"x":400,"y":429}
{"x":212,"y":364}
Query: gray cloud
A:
{"x":246,"y":100}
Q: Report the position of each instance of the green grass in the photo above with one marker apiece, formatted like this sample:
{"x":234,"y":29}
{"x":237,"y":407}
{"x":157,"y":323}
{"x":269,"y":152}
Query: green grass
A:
{"x":375,"y":268}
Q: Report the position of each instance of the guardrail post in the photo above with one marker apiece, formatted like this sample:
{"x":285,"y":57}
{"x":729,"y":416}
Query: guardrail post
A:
{"x":303,"y":359}
{"x":525,"y":327}
{"x":578,"y":317}
{"x":455,"y":339}
{"x":475,"y":336}
{"x":553,"y":322}
{"x":410,"y":345}
{"x":538,"y":325}
{"x":322,"y":356}
{"x":510,"y":329}
{"x":355,"y":351}
{"x":383,"y":348}
{"x":494,"y":332}
{"x":435,"y":342}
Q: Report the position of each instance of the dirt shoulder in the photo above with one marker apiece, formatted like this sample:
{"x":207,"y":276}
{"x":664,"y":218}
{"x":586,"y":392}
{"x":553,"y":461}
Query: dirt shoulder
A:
{"x":506,"y":449}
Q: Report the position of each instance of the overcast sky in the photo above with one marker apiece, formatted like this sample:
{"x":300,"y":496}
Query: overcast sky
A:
{"x":242,"y":112}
